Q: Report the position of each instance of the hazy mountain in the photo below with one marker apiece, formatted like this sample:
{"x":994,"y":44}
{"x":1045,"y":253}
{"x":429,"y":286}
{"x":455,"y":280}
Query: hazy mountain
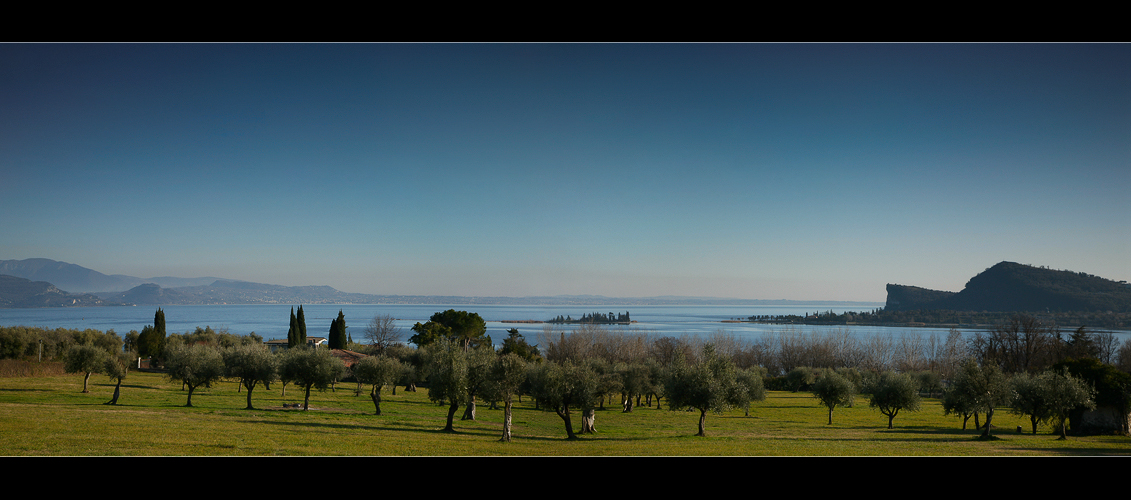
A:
{"x":171,"y":290}
{"x":22,"y":292}
{"x":79,"y":279}
{"x":1009,"y":286}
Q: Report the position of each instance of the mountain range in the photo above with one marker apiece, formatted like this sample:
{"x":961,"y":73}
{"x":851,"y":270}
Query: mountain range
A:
{"x":78,"y":279}
{"x":121,"y":289}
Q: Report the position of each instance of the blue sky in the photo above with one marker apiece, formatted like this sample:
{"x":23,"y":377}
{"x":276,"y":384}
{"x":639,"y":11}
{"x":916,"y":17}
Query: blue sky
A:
{"x":758,"y":171}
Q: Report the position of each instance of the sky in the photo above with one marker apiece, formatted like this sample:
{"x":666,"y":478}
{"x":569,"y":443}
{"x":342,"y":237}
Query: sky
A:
{"x":753,"y":171}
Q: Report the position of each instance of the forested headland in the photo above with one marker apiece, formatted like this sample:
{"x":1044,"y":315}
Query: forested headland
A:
{"x":1012,"y":287}
{"x":993,"y":297}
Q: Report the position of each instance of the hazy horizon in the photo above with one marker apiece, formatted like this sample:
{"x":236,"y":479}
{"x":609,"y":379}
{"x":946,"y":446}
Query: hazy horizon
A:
{"x":746,"y":171}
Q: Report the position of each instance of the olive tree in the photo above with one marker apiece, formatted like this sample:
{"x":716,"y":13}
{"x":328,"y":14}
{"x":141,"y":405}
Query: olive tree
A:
{"x":893,"y":392}
{"x":250,"y":364}
{"x":478,"y":362}
{"x":1029,"y":398}
{"x":983,"y":389}
{"x":194,"y":366}
{"x":379,"y":371}
{"x":960,"y":404}
{"x":311,"y":367}
{"x":116,"y":367}
{"x":800,"y":377}
{"x":1049,"y":397}
{"x":85,"y":359}
{"x":445,"y":362}
{"x":751,"y":380}
{"x":635,"y":382}
{"x":1066,"y":394}
{"x":507,"y":374}
{"x":832,"y":390}
{"x":711,"y":384}
{"x":563,"y":388}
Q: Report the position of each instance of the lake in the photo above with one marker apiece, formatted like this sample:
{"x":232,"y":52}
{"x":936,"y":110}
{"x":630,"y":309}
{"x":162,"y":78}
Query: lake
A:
{"x":272,"y":321}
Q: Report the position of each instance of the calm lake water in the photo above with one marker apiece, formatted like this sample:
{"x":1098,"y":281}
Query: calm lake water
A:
{"x":272,"y":321}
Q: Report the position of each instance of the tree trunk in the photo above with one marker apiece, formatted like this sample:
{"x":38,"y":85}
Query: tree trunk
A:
{"x":977,"y":426}
{"x":469,"y":412}
{"x":376,"y":396}
{"x":589,"y":421}
{"x":702,"y":422}
{"x":830,"y":416}
{"x":451,"y":416}
{"x":1033,"y":420}
{"x":890,"y":418}
{"x":626,"y":403}
{"x":190,"y":389}
{"x":306,"y":400}
{"x":989,"y":417}
{"x":84,"y":381}
{"x":965,"y":418}
{"x":250,"y":386}
{"x":117,"y":390}
{"x":506,"y":421}
{"x":563,"y":411}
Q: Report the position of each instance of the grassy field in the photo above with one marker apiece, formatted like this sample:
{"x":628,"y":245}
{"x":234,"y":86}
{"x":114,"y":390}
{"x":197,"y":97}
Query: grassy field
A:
{"x":49,"y":416}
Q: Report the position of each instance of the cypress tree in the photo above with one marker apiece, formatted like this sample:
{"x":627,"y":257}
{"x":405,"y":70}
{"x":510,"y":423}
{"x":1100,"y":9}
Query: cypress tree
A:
{"x":156,"y":339}
{"x":301,"y":330}
{"x":159,"y":323}
{"x":338,"y":332}
{"x":292,"y":333}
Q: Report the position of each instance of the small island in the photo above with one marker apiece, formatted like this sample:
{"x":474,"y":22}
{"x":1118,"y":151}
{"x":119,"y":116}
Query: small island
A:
{"x":596,"y":317}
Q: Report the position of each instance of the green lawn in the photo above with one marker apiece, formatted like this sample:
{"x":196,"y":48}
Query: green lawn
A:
{"x":50,"y":416}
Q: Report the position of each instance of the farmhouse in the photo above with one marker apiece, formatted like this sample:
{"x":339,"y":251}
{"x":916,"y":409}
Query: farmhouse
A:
{"x":278,"y":344}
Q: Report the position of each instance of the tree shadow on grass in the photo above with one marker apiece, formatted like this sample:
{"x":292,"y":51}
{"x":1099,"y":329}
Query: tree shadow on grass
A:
{"x":415,"y":427}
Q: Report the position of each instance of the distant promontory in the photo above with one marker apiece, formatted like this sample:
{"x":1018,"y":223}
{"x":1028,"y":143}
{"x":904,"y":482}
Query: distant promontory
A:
{"x":1009,"y":287}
